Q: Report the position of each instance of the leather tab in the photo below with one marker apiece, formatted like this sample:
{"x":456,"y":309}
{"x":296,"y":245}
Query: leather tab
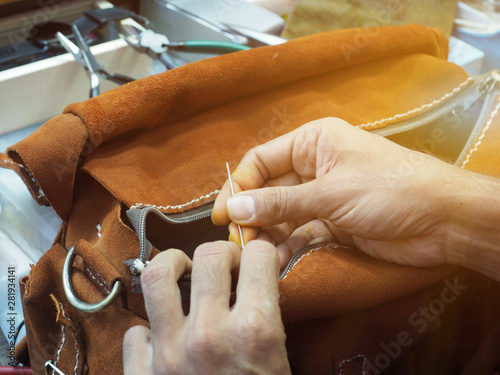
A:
{"x":96,"y":267}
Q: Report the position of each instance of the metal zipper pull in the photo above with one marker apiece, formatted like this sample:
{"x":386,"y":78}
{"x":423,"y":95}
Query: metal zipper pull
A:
{"x":483,"y":89}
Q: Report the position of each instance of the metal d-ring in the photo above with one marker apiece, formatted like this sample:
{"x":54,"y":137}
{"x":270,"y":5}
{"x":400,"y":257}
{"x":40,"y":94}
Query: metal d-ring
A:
{"x":70,"y":293}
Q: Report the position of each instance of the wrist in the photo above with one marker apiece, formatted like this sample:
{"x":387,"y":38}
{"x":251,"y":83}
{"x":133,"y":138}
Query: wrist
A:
{"x":472,"y":236}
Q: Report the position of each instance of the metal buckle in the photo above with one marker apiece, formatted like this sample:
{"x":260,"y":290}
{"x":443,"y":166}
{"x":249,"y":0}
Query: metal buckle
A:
{"x":70,"y":293}
{"x":50,"y":366}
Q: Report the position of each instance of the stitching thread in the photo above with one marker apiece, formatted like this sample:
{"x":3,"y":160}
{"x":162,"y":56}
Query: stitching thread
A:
{"x":485,"y":129}
{"x":351,"y":359}
{"x":76,"y":343}
{"x":176,"y":207}
{"x":39,"y":189}
{"x":97,"y":281}
{"x":415,"y":110}
{"x":60,"y":347}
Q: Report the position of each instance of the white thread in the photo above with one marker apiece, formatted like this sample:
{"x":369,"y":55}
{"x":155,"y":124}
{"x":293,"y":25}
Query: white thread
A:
{"x":485,"y":129}
{"x":98,"y":280}
{"x":139,"y":265}
{"x":76,"y":343}
{"x":425,"y":106}
{"x":97,"y":273}
{"x":40,"y":192}
{"x":99,"y":234}
{"x":60,"y":348}
{"x":179,"y":206}
{"x":351,"y":359}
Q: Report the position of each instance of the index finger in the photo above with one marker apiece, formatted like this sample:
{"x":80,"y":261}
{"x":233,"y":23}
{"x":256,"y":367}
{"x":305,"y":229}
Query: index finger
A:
{"x":261,"y":163}
{"x":161,"y":293}
{"x":258,"y":279}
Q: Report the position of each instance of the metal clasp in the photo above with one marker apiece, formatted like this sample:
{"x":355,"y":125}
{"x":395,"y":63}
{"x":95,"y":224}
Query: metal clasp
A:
{"x":70,"y":293}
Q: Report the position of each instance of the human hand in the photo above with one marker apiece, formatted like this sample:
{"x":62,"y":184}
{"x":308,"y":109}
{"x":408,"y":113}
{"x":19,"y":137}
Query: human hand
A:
{"x":215,"y":338}
{"x":330,"y":182}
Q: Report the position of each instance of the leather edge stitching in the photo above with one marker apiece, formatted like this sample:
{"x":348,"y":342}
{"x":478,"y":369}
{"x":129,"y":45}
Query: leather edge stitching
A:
{"x":179,"y":206}
{"x":485,"y":129}
{"x":418,"y":109}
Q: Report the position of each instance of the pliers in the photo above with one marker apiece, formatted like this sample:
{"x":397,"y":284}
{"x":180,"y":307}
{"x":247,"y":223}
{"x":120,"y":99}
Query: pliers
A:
{"x":82,"y":54}
{"x":156,"y":45}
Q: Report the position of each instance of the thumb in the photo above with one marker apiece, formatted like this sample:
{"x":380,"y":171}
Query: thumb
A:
{"x":275,"y":205}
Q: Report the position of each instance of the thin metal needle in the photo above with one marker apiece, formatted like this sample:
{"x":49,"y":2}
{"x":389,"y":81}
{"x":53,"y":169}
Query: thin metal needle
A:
{"x":232,"y":192}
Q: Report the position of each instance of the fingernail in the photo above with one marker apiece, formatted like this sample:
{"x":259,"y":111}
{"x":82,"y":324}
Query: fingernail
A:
{"x":241,"y":207}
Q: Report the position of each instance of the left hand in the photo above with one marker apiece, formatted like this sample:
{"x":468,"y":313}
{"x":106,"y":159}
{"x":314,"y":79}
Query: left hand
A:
{"x":215,"y":338}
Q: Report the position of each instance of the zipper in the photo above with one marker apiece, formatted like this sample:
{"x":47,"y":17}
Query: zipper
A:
{"x":458,"y":105}
{"x":303,"y":252}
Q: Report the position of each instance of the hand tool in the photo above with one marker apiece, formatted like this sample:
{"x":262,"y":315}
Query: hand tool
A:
{"x":232,"y":192}
{"x":157,"y":45}
{"x":82,"y":54}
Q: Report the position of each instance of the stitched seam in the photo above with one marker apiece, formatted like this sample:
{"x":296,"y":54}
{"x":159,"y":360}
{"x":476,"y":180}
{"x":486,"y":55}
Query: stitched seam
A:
{"x":418,"y":109}
{"x":97,"y":281}
{"x":308,"y":253}
{"x":40,"y":192}
{"x":76,"y":343}
{"x":176,"y":207}
{"x":351,"y":359}
{"x":60,"y":347}
{"x":485,"y":129}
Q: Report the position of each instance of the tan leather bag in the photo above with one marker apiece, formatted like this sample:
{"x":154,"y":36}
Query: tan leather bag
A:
{"x":160,"y":145}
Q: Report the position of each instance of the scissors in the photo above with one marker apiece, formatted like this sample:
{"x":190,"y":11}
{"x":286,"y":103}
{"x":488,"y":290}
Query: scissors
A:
{"x":84,"y":56}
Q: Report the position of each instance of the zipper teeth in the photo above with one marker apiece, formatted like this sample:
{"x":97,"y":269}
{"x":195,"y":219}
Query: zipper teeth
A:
{"x":298,"y":255}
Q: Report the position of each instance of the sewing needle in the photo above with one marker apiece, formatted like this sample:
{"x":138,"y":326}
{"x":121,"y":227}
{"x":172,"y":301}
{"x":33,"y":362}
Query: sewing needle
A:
{"x":232,"y":192}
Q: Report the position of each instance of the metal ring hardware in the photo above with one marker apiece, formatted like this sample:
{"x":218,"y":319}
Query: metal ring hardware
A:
{"x":70,"y":293}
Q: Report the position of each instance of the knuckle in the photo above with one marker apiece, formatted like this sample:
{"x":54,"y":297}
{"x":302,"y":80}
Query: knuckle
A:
{"x":278,"y":203}
{"x":256,"y":329}
{"x":154,"y":275}
{"x":262,"y":247}
{"x":162,"y":268}
{"x":218,"y":249}
{"x":203,"y":343}
{"x":165,"y":362}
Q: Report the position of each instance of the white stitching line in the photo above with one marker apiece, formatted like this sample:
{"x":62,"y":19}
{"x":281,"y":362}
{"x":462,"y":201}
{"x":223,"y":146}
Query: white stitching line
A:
{"x":485,"y":129}
{"x":308,"y":253}
{"x":40,"y":192}
{"x":176,"y":206}
{"x":60,"y":348}
{"x":91,"y":274}
{"x":76,"y":343}
{"x":425,"y":106}
{"x":351,"y":359}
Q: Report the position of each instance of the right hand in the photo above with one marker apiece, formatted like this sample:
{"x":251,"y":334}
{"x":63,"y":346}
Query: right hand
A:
{"x":330,"y":182}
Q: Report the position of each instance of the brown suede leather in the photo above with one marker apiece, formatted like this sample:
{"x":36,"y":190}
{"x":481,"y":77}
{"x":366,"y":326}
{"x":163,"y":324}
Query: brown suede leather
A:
{"x":163,"y":141}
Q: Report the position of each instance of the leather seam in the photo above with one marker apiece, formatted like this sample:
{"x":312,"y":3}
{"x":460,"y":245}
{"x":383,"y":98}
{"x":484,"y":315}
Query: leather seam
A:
{"x":480,"y":139}
{"x":100,"y":278}
{"x":76,"y":342}
{"x":351,"y":359}
{"x":179,"y":206}
{"x":430,"y":105}
{"x":60,"y":347}
{"x":39,"y":189}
